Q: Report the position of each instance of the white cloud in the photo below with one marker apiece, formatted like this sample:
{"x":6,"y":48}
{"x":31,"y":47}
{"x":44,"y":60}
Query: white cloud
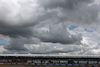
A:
{"x":2,"y":49}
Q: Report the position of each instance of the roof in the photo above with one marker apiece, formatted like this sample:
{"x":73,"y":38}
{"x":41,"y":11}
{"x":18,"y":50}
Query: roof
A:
{"x":52,"y":55}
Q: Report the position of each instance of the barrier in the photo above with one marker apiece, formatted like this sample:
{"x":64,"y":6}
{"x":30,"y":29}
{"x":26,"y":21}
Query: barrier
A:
{"x":67,"y":64}
{"x":61,"y":64}
{"x":36,"y":63}
{"x":56,"y":64}
{"x":30,"y":63}
{"x":1,"y":63}
{"x":74,"y":65}
{"x":33,"y":64}
{"x":48,"y":64}
{"x":25,"y":63}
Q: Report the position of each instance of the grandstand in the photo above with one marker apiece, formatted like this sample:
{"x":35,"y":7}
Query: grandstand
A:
{"x":47,"y":59}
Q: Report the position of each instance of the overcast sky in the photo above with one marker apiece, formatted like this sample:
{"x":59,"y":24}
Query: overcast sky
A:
{"x":64,"y":27}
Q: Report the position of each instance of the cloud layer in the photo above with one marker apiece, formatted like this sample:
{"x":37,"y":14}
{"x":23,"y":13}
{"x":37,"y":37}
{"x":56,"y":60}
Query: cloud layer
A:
{"x":34,"y":26}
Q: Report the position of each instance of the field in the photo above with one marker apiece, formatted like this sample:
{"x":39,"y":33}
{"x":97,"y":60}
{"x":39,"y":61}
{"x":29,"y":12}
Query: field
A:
{"x":35,"y":66}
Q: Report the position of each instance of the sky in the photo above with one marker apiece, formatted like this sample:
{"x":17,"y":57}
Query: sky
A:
{"x":64,"y":27}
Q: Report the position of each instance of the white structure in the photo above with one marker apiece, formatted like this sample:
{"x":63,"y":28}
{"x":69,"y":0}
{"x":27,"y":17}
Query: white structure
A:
{"x":53,"y":55}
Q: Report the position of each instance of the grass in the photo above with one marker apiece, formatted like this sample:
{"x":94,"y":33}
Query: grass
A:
{"x":55,"y":66}
{"x":37,"y":66}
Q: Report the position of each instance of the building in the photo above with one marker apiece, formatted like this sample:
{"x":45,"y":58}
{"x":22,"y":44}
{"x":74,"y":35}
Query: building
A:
{"x":48,"y":58}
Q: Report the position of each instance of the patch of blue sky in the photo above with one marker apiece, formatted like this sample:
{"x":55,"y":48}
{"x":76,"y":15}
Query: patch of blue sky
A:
{"x":72,"y":27}
{"x":93,"y":27}
{"x":88,"y":30}
{"x":3,"y":41}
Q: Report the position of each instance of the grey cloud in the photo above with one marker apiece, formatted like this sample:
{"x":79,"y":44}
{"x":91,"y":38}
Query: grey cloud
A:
{"x":66,"y":4}
{"x":17,"y":20}
{"x":92,"y":52}
{"x":23,"y":27}
{"x":15,"y":52}
{"x":50,"y":13}
{"x":75,"y":12}
{"x":17,"y":44}
{"x":16,"y":32}
{"x":97,"y":46}
{"x":51,"y":48}
{"x":58,"y":34}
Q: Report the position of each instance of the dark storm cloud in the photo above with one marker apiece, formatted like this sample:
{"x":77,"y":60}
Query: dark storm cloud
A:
{"x":17,"y":44}
{"x":16,"y":32}
{"x":66,"y":4}
{"x":75,"y":11}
